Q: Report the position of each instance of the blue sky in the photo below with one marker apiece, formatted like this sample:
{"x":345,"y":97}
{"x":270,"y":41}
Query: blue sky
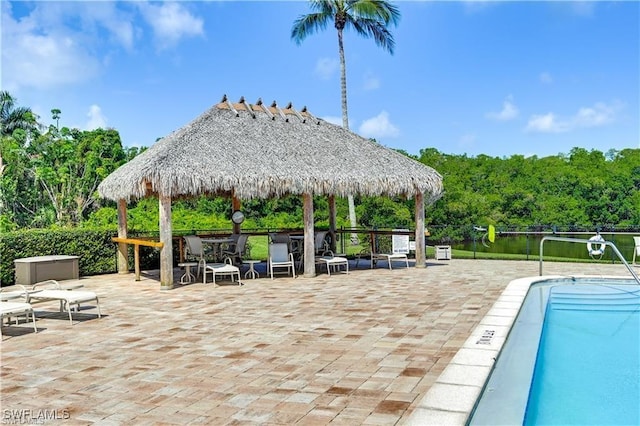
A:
{"x":495,"y":78}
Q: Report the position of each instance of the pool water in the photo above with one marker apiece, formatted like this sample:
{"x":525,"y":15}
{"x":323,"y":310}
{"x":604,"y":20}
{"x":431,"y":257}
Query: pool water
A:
{"x":572,"y":356}
{"x":588,"y":365}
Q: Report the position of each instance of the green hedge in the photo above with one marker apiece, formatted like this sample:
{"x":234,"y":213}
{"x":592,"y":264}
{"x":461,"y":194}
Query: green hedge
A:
{"x":97,"y":253}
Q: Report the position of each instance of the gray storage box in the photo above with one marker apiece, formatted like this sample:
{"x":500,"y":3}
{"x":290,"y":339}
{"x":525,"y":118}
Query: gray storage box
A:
{"x":31,"y":270}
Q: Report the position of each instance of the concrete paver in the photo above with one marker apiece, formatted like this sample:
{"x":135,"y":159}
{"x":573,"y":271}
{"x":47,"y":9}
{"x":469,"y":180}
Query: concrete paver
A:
{"x":362,"y":348}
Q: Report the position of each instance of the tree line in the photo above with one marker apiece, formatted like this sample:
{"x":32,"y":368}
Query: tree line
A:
{"x":49,"y":176}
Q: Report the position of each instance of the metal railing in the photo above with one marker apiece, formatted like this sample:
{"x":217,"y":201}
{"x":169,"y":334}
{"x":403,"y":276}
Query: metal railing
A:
{"x":578,"y":240}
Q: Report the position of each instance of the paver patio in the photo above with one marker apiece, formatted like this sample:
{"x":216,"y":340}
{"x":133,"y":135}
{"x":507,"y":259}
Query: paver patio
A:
{"x":349,"y":349}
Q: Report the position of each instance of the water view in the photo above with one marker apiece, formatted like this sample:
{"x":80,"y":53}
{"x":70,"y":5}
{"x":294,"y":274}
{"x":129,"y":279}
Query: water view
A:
{"x":529,"y":244}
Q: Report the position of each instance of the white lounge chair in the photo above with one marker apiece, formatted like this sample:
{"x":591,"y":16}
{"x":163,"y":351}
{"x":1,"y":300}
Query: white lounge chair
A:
{"x":333,"y":262}
{"x":279,"y":257}
{"x":51,"y":290}
{"x":222,"y":269}
{"x":11,"y":306}
{"x":389,"y":257}
{"x":16,"y":309}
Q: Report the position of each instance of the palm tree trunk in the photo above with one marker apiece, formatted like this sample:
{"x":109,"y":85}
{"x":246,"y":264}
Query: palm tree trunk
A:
{"x":345,"y":124}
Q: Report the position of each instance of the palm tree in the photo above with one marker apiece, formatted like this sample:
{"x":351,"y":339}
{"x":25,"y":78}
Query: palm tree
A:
{"x":369,"y":18}
{"x":13,"y":118}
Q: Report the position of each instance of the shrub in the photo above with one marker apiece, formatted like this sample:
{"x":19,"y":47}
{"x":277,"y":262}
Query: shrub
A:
{"x":97,"y":253}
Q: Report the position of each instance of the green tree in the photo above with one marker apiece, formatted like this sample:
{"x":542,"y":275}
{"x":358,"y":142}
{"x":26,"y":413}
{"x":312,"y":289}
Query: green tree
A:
{"x":18,"y":126}
{"x":369,"y":18}
{"x":68,"y":166}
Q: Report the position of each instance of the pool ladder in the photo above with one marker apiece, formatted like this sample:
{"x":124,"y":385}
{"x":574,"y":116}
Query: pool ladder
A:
{"x":579,"y":240}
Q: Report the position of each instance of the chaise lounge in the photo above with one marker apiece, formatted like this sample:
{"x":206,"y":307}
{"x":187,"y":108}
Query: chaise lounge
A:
{"x":51,"y":290}
{"x":13,"y":308}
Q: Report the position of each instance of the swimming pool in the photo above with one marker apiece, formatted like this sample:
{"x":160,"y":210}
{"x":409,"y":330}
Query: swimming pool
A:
{"x":571,"y":357}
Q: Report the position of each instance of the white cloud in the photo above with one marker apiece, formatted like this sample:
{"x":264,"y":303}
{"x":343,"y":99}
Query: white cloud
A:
{"x":39,"y":56}
{"x":326,"y":68}
{"x":116,"y":21}
{"x":598,"y":115}
{"x":546,"y":123}
{"x":97,"y":120}
{"x":509,"y":111}
{"x":171,"y":22}
{"x":371,"y":82}
{"x":333,"y":119}
{"x":546,"y":78}
{"x":379,"y":127}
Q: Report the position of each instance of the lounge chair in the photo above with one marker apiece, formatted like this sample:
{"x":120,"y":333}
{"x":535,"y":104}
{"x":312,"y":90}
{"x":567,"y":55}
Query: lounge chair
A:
{"x":11,"y":307}
{"x":389,"y":257}
{"x":279,"y":257}
{"x":225,"y":269}
{"x":332,"y":262}
{"x":52,"y":290}
{"x":636,"y":249}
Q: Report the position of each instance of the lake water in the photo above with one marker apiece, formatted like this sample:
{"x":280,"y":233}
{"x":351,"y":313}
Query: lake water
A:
{"x":530,"y":244}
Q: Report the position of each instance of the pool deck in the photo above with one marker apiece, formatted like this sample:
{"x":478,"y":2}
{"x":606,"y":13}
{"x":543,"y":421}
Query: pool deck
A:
{"x":362,"y":348}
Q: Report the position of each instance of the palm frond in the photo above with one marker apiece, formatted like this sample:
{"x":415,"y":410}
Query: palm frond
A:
{"x":385,"y":12}
{"x":308,"y":24}
{"x":373,"y":28}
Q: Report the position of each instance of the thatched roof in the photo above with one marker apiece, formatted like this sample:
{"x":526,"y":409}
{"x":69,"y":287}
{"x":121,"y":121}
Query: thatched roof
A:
{"x":257,"y":151}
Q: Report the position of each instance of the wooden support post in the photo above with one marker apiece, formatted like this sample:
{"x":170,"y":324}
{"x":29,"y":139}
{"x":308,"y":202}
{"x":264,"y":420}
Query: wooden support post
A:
{"x":123,"y":248}
{"x":332,"y":221}
{"x":136,"y":261}
{"x":236,"y":204}
{"x":166,"y":253}
{"x":421,"y":258}
{"x":309,"y":237}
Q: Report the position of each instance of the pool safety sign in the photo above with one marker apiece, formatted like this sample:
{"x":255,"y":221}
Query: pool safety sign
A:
{"x":400,"y":243}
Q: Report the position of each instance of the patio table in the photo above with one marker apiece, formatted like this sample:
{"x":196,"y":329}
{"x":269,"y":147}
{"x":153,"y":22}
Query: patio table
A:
{"x":217,"y":244}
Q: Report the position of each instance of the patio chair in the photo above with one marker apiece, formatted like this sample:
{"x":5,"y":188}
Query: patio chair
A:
{"x":195,"y":251}
{"x":636,"y":249}
{"x":237,"y":250}
{"x":51,"y":290}
{"x":279,"y":257}
{"x":389,"y":257}
{"x":320,"y":244}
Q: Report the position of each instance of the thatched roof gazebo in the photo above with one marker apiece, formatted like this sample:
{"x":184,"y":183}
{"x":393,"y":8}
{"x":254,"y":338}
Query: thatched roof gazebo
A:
{"x":247,"y":151}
